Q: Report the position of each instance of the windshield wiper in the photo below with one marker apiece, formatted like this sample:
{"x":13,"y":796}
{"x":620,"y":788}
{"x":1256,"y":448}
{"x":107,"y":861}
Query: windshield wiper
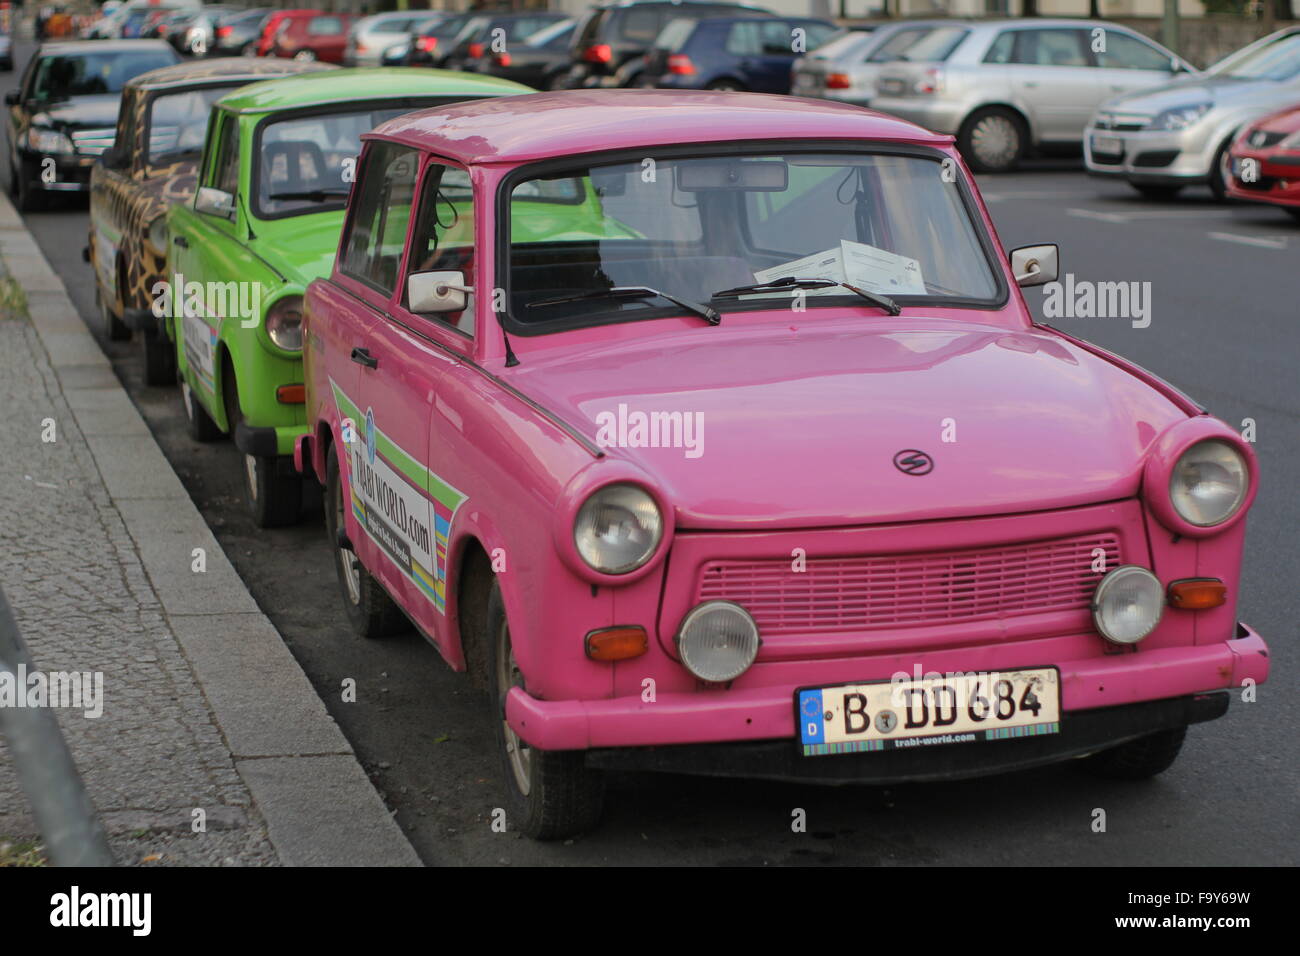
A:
{"x":315,"y":195}
{"x":631,"y":293}
{"x":794,"y":282}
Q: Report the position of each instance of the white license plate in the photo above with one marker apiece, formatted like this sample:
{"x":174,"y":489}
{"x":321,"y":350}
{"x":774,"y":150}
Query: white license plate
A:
{"x":927,"y":711}
{"x":803,"y":83}
{"x":1109,"y":145}
{"x":891,"y":86}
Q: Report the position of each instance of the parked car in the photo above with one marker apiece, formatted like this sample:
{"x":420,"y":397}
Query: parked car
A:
{"x":1176,"y":135}
{"x":541,"y":61}
{"x":236,"y":34}
{"x":1006,"y":88}
{"x":610,"y":41}
{"x":6,"y":52}
{"x":423,"y":46}
{"x":270,"y":27}
{"x":112,"y":25}
{"x":264,"y":222}
{"x":731,"y":53}
{"x":371,"y":36}
{"x":853,"y":42}
{"x":487,"y":33}
{"x":152,"y":164}
{"x":312,"y":36}
{"x":63,"y":113}
{"x":525,"y":475}
{"x":1263,"y":164}
{"x":198,"y":36}
{"x":165,"y":23}
{"x":847,"y":70}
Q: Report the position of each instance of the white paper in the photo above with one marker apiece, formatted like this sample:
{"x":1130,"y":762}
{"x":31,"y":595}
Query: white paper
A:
{"x":857,"y":263}
{"x":820,"y":265}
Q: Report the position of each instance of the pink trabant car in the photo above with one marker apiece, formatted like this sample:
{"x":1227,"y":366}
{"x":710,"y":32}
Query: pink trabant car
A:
{"x":712,"y":433}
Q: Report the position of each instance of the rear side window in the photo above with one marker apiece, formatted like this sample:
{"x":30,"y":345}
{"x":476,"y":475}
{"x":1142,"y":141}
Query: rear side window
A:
{"x":745,"y":39}
{"x":1051,"y":48}
{"x":936,"y":46}
{"x":325,"y":26}
{"x":1002,"y":49}
{"x":377,"y":232}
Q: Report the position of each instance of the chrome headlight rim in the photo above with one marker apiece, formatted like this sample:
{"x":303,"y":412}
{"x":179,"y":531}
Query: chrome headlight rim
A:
{"x":618,"y":571}
{"x":681,"y":638}
{"x":1108,"y":583}
{"x":292,"y":334}
{"x":1242,"y":493}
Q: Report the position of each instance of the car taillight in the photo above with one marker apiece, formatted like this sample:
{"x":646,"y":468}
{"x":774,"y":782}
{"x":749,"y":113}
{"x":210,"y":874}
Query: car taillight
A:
{"x":930,"y":82}
{"x":426,"y":44}
{"x":361,"y":48}
{"x":502,"y":59}
{"x":475,"y":50}
{"x":838,"y":81}
{"x":225,"y":31}
{"x":680,"y":64}
{"x":598,"y":53}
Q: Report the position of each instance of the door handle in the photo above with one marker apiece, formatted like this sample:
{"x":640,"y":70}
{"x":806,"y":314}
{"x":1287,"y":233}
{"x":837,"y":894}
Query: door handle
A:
{"x":182,"y":242}
{"x":363,"y":357}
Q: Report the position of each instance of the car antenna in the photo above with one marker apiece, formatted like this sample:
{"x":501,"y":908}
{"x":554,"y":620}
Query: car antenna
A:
{"x":511,"y":359}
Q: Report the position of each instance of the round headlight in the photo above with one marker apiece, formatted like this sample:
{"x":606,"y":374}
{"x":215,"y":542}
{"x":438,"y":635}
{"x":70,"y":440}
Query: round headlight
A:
{"x":1127,"y":604}
{"x":618,"y":529}
{"x":1209,"y":483}
{"x":718,"y":641}
{"x":284,"y":323}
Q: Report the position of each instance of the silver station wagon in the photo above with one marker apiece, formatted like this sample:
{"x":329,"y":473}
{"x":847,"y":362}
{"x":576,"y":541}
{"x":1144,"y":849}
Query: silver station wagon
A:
{"x":1011,"y":87}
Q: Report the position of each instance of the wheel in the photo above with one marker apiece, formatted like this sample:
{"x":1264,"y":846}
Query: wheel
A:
{"x":550,"y":794}
{"x":159,"y":359}
{"x":115,"y":328}
{"x":725,"y":86}
{"x":1156,"y":192}
{"x":370,"y":610}
{"x":557,"y":81}
{"x":1218,"y":180}
{"x":1138,"y":759}
{"x":1294,"y":213}
{"x":992,"y":140}
{"x":201,"y":426}
{"x":274,"y":499}
{"x":304,"y":55}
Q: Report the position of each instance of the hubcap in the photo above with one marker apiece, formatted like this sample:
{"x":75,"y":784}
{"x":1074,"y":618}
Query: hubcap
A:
{"x":508,"y":675}
{"x":347,"y":558}
{"x":995,"y":141}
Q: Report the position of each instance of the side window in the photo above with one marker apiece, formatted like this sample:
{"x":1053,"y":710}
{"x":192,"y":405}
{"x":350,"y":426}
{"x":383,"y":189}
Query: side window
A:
{"x":382,"y":211}
{"x":124,"y":141}
{"x":325,"y":26}
{"x":1124,"y":52}
{"x":777,"y":37}
{"x":224,"y":171}
{"x":1052,"y":48}
{"x":1001,"y":49}
{"x":443,"y":239}
{"x":744,"y":39}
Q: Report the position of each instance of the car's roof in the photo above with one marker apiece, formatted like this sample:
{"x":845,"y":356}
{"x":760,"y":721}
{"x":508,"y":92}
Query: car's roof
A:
{"x":65,"y":47}
{"x":545,"y":125}
{"x":340,"y":86}
{"x":198,"y":72}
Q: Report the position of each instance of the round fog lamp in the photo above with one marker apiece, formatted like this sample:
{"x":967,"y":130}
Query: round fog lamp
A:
{"x":718,"y":641}
{"x":1127,"y":604}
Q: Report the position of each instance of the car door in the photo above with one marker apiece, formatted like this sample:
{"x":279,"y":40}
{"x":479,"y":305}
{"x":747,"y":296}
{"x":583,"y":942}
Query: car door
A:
{"x":1127,"y":63}
{"x":1054,"y":74}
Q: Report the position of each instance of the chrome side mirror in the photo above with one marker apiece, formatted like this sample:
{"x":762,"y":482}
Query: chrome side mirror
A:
{"x":1035,"y":265}
{"x":214,"y":202}
{"x":436,"y":292}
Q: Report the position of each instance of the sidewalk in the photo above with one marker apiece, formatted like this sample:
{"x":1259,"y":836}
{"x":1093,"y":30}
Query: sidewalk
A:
{"x":203,"y":706}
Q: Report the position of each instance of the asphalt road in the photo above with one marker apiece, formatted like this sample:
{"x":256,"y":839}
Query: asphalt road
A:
{"x":1224,"y":327}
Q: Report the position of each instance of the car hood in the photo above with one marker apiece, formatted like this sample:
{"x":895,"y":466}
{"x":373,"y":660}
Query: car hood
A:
{"x":300,"y":248}
{"x":81,"y":112}
{"x":801,"y":427}
{"x":1219,"y":90}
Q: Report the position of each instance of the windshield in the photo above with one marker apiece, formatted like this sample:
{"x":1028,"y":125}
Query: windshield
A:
{"x":178,"y":122}
{"x":556,"y":31}
{"x":694,"y":227}
{"x":91,"y":74}
{"x":1279,"y":60}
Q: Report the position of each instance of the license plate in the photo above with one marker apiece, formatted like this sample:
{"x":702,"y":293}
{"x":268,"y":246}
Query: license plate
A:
{"x":928,"y":711}
{"x":1109,"y":145}
{"x":803,"y":83}
{"x":891,"y":86}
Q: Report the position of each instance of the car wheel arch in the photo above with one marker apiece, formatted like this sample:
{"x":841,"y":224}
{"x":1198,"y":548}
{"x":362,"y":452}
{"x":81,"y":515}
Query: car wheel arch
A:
{"x":1020,"y":113}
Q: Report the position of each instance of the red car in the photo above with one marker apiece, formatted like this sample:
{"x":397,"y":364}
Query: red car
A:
{"x":311,"y":35}
{"x":1264,"y":161}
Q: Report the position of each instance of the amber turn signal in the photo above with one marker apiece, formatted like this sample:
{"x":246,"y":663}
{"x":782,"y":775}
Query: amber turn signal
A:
{"x":291,"y":394}
{"x":1197,"y":594}
{"x":617,"y":643}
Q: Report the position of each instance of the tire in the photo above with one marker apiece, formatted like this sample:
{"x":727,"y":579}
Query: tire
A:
{"x":1218,"y":183}
{"x":274,"y":500}
{"x":1138,"y":759}
{"x":201,"y":426}
{"x":550,"y":794}
{"x":304,"y":56}
{"x":992,"y":140}
{"x":371,"y":612}
{"x":1294,"y":213}
{"x":159,"y":359}
{"x":1156,"y":192}
{"x":114,"y":327}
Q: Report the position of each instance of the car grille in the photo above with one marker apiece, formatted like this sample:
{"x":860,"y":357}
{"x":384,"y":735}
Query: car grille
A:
{"x":92,"y":142}
{"x":1121,"y":123}
{"x":862,"y":593}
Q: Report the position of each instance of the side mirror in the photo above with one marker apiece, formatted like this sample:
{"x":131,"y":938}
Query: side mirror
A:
{"x":12,"y":97}
{"x":214,"y":202}
{"x":436,"y":291}
{"x":1035,"y":265}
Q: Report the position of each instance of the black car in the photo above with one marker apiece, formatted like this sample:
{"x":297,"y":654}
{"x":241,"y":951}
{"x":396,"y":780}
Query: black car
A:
{"x":427,"y":46}
{"x":236,"y":34}
{"x":64,"y":113}
{"x":541,"y":61}
{"x":610,"y":42}
{"x":732,"y":53}
{"x":485,"y":34}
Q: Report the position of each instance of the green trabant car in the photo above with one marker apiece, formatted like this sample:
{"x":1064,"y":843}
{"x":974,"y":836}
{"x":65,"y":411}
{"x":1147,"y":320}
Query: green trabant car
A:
{"x":264,"y":222}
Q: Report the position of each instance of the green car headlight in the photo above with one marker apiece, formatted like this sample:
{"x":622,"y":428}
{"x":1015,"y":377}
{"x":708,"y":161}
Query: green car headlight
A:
{"x":284,"y":323}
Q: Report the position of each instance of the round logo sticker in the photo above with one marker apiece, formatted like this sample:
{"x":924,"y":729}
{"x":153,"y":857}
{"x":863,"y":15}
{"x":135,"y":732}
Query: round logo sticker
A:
{"x":370,"y":435}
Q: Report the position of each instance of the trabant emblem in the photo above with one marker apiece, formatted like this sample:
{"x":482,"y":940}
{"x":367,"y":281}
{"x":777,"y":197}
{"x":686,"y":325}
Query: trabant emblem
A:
{"x":912,"y":462}
{"x":370,"y":435}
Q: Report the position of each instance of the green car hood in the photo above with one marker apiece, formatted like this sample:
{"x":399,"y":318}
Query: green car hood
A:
{"x":300,"y":248}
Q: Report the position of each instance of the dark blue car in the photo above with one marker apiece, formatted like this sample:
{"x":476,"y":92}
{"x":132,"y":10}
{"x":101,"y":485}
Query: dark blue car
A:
{"x":732,"y":53}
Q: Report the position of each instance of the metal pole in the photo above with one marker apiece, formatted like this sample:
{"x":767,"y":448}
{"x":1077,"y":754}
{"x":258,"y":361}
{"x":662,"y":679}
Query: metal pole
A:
{"x":69,"y":828}
{"x":1169,"y":27}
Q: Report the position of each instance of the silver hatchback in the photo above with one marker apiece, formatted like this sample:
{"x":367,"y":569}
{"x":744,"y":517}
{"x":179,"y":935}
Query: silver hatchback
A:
{"x":1009,"y":87}
{"x":846,"y":68}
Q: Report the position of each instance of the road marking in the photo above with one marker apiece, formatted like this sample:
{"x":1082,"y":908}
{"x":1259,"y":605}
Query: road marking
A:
{"x":1150,"y":214}
{"x":1263,"y":242}
{"x":1099,"y":216}
{"x":1053,"y":194}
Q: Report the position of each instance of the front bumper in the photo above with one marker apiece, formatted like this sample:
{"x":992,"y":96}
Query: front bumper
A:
{"x":1158,"y":157}
{"x":1277,"y":179}
{"x":71,"y":171}
{"x":767,"y":712}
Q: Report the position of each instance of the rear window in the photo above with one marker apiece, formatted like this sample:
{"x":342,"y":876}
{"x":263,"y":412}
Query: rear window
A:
{"x":893,"y":45}
{"x":936,"y":46}
{"x":675,"y":35}
{"x":638,"y":25}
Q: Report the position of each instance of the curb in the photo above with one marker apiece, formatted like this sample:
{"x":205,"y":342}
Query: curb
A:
{"x":319,"y":806}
